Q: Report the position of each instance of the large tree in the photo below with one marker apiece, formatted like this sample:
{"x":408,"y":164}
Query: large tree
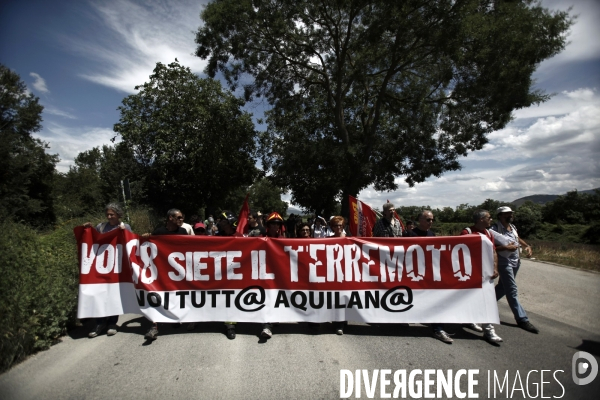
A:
{"x":26,"y":171}
{"x":192,"y":139}
{"x":379,"y":89}
{"x":95,"y":180}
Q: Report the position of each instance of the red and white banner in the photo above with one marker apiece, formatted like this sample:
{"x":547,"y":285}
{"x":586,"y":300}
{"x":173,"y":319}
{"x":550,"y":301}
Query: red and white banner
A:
{"x":244,"y":279}
{"x":362,"y":218}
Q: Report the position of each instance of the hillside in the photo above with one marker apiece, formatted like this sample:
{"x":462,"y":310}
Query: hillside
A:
{"x":544,"y":198}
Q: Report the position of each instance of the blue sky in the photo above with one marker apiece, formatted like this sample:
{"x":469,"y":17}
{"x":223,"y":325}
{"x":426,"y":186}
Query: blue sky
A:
{"x":81,"y":58}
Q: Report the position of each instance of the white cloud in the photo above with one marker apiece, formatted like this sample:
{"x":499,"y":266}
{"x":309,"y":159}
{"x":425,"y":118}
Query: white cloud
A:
{"x":39,"y":84}
{"x":550,"y":151}
{"x":60,"y":113}
{"x":135,"y":36}
{"x":69,"y":142}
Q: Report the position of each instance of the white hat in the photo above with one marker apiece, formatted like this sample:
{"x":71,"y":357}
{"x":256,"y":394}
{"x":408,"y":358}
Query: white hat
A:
{"x":503,"y":209}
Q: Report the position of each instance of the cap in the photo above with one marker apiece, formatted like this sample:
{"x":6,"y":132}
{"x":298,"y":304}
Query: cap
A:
{"x":211,"y":219}
{"x":274,"y":217}
{"x":503,"y":209}
{"x":229,"y":217}
{"x":199,"y":225}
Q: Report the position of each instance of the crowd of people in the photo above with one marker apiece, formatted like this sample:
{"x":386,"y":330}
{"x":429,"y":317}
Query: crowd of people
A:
{"x":503,"y":235}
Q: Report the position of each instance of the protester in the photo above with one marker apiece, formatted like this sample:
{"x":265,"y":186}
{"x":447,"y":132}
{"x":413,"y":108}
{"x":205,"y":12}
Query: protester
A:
{"x":254,"y":228}
{"x":410,"y":225}
{"x":227,"y":227}
{"x":274,"y":224}
{"x":337,"y":227}
{"x":188,"y":228}
{"x":290,"y":226}
{"x":509,"y":262}
{"x":199,"y":229}
{"x":303,"y":230}
{"x":481,"y":222}
{"x":171,"y":227}
{"x":388,"y":225}
{"x":211,"y":228}
{"x":424,"y":223}
{"x":114,"y":213}
{"x":319,"y":227}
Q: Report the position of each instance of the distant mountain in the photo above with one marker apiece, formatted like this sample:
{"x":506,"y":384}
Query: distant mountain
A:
{"x":544,"y":198}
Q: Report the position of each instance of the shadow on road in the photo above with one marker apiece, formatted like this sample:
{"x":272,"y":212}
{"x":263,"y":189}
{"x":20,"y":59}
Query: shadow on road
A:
{"x":589,"y":346}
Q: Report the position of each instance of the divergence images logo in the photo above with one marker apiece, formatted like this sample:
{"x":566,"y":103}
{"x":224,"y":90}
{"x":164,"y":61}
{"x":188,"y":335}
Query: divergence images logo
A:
{"x":582,"y":363}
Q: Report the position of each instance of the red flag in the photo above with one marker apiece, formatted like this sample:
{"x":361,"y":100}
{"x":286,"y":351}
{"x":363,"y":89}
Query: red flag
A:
{"x":242,"y":225}
{"x":399,"y":219}
{"x":362,"y":218}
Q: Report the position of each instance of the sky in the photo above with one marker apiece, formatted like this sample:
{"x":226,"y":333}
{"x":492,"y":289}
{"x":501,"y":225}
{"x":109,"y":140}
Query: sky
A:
{"x":81,"y":58}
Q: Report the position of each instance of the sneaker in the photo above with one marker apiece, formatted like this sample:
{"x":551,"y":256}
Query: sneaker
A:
{"x":191,"y":326}
{"x":152,"y":333}
{"x":231,"y":333}
{"x":339,"y":328}
{"x":112,"y":330}
{"x":99,"y":329}
{"x":443,"y":336}
{"x":528,"y":326}
{"x":474,"y":327}
{"x":490,"y":336}
{"x":266,"y":333}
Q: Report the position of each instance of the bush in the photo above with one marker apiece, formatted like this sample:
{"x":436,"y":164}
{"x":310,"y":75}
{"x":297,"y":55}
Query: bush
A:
{"x":38,"y":289}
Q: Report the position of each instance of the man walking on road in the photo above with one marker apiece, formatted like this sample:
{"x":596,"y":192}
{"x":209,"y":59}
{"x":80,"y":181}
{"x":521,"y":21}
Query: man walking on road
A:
{"x":172,"y":227}
{"x":481,"y":222}
{"x":507,"y":247}
{"x":424,"y":224}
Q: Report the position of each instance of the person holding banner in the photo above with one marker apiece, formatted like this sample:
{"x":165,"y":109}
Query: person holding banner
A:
{"x":337,"y":226}
{"x":423,"y":228}
{"x":507,"y":247}
{"x":388,"y":225}
{"x":114,"y":213}
{"x":481,"y":222}
{"x":303,"y":230}
{"x":274,"y":225}
{"x":226,"y":227}
{"x":173,"y":226}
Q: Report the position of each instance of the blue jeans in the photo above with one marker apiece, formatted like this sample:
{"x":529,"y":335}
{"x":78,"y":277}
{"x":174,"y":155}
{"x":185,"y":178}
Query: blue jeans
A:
{"x":508,"y":286}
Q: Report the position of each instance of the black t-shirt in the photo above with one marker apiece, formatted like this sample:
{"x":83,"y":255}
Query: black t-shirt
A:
{"x":164,"y":231}
{"x":417,"y":232}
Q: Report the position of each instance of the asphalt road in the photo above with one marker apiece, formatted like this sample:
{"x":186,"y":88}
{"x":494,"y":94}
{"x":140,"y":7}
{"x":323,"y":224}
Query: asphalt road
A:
{"x":563,"y":303}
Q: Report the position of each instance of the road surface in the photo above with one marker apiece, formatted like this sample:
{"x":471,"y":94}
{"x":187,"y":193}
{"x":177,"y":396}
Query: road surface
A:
{"x":563,"y":303}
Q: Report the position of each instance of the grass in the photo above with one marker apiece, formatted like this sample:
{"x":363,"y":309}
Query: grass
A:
{"x":584,"y":256}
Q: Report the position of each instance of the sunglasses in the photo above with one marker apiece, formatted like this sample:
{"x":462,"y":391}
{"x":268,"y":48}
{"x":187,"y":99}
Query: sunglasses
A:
{"x":429,"y":220}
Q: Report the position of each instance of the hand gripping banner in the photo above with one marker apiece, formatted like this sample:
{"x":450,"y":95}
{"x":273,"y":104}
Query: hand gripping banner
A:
{"x":248,"y":279}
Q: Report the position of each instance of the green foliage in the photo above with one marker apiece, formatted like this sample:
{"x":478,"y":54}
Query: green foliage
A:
{"x":191,"y":139}
{"x":38,"y":289}
{"x":95,"y":180}
{"x":573,"y":208}
{"x":26,"y":171}
{"x":266,"y":197}
{"x":528,"y":218}
{"x":367,"y":91}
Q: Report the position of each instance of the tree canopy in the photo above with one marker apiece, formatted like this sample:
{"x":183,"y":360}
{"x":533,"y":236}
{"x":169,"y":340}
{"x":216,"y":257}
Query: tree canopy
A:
{"x":191,"y":139}
{"x":373,"y":90}
{"x":26,"y":170}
